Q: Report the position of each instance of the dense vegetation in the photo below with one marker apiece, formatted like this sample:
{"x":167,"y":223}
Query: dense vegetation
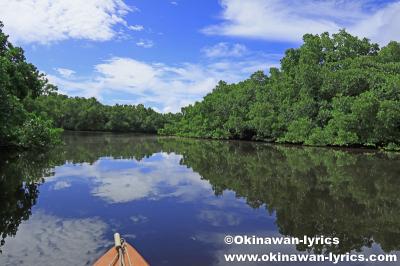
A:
{"x":20,"y":81}
{"x":333,"y":90}
{"x":32,"y":114}
{"x":75,"y":113}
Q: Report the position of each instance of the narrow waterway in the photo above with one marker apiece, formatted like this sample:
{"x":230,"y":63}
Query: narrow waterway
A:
{"x":176,"y":199}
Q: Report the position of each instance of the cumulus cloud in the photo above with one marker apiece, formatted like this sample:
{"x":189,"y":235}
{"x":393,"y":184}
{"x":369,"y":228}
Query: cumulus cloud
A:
{"x":46,"y":21}
{"x":49,"y":240}
{"x":165,"y":87}
{"x":382,"y":26}
{"x":289,"y":20}
{"x":121,"y":72}
{"x":224,"y":49}
{"x":145,"y":43}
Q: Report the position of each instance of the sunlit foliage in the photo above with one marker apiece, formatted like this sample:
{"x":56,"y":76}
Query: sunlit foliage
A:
{"x":333,"y":90}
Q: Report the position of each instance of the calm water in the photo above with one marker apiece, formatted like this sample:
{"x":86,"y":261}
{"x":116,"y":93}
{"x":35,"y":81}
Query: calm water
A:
{"x":176,"y":199}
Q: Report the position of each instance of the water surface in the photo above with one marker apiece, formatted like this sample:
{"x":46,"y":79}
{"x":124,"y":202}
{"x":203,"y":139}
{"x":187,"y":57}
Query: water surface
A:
{"x":175,"y":199}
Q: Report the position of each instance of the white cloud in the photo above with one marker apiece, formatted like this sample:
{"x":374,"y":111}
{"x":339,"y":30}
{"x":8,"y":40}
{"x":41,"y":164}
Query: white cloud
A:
{"x":65,"y":72}
{"x":49,"y":240}
{"x":136,"y":27}
{"x":122,"y":72}
{"x":174,"y":3}
{"x":289,"y":20}
{"x":83,"y":87}
{"x":382,"y":26}
{"x":46,"y":21}
{"x":145,"y":43}
{"x":165,"y":87}
{"x":224,"y":49}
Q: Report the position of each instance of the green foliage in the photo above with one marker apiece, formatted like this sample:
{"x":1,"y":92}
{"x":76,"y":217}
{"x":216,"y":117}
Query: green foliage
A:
{"x":75,"y":113}
{"x":38,"y":132}
{"x":20,"y":81}
{"x":333,"y":90}
{"x":392,"y":147}
{"x":223,"y":114}
{"x":28,"y":104}
{"x":298,"y":131}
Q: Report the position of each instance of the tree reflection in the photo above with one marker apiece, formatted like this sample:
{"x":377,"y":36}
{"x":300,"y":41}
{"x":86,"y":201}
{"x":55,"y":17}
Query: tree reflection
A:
{"x":89,"y":147}
{"x":20,"y":175}
{"x":352,"y":195}
{"x":349,"y":194}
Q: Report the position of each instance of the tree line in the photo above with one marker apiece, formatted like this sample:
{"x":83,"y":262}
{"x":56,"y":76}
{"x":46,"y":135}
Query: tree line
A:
{"x":333,"y":90}
{"x":77,"y":113}
{"x":33,"y":114}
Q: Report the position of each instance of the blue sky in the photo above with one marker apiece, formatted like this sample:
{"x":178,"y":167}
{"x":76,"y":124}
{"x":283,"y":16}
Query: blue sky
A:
{"x":168,"y":54}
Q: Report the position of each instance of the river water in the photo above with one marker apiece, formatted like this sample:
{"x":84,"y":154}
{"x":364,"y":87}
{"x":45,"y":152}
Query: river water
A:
{"x":176,"y":199}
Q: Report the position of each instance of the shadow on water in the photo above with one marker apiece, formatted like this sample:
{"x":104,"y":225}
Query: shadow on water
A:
{"x":348,"y":194}
{"x":21,"y":173}
{"x":352,"y":195}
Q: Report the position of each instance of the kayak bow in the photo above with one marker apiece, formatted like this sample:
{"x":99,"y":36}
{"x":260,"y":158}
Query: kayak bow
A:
{"x":122,"y":254}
